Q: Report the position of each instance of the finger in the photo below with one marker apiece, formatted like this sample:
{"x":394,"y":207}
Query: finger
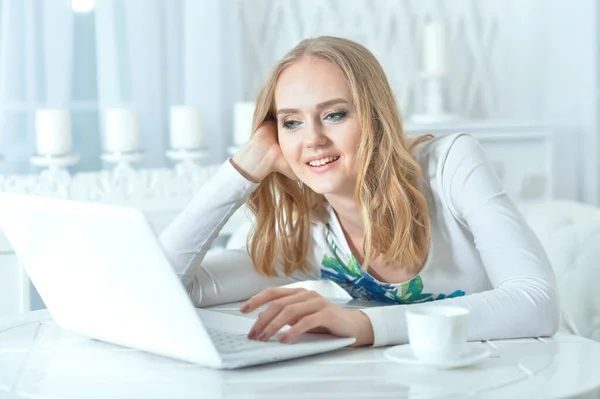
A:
{"x":310,"y":322}
{"x":266,"y":296}
{"x":275,"y":307}
{"x":319,"y":330}
{"x":292,"y":312}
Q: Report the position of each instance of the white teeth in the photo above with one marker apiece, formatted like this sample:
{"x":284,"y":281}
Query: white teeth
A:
{"x":322,"y":161}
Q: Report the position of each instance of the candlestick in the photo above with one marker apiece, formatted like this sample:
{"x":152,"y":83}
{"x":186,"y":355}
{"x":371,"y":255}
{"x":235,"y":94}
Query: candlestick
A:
{"x":54,"y":179}
{"x":54,"y":161}
{"x":53,"y":132}
{"x":434,"y":51}
{"x":187,"y":162}
{"x":242,"y":126}
{"x":122,"y":133}
{"x":123,"y":178}
{"x":433,"y":104}
{"x":186,"y":156}
{"x":121,"y":158}
{"x":186,"y":128}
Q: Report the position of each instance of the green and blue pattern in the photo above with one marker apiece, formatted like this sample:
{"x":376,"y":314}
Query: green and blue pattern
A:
{"x":361,"y":285}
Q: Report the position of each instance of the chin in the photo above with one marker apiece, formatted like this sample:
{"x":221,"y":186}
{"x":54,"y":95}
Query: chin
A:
{"x":322,"y":187}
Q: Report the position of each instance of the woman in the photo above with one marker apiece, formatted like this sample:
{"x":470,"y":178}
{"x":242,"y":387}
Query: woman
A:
{"x":339,"y":193}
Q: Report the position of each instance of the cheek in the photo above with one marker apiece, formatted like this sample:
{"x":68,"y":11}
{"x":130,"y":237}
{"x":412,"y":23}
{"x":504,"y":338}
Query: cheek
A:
{"x":284,"y":145}
{"x":353,"y":141}
{"x":289,"y":147}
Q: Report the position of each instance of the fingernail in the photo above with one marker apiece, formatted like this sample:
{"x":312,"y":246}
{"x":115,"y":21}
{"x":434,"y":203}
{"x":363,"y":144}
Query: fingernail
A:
{"x":244,"y":308}
{"x":252,"y":333}
{"x":284,"y":338}
{"x":262,"y":336}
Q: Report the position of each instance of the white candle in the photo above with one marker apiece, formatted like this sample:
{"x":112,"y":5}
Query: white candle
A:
{"x":53,"y":132}
{"x":122,"y":132}
{"x":186,"y":128}
{"x":434,"y":51}
{"x":242,"y":125}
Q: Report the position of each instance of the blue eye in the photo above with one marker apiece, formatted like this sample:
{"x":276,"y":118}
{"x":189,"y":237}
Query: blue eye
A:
{"x":290,"y":125}
{"x":336,"y":116}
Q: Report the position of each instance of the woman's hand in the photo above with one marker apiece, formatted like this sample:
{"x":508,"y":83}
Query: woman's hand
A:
{"x":305,"y":311}
{"x":262,"y":155}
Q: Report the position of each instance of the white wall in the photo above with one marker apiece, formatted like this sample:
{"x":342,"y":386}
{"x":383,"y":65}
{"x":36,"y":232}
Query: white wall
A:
{"x":570,"y":98}
{"x":215,"y":83}
{"x":532,"y":60}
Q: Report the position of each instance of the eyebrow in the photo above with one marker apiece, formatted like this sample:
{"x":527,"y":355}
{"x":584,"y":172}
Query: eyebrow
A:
{"x":319,"y":106}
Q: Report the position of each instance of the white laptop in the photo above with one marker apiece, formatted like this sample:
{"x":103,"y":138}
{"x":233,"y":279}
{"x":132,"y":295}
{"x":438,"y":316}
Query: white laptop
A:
{"x":101,"y":272}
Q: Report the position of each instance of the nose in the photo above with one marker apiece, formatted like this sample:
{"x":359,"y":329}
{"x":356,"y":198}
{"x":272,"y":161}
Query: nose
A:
{"x":315,"y":136}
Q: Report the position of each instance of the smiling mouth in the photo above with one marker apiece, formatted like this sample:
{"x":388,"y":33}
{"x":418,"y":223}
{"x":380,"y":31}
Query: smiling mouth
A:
{"x":322,"y":162}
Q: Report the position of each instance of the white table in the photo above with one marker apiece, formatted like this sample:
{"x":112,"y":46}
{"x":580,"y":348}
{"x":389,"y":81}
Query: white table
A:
{"x":40,"y":360}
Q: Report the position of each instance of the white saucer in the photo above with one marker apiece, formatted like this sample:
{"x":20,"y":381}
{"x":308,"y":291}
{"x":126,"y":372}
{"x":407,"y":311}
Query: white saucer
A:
{"x":472,"y":354}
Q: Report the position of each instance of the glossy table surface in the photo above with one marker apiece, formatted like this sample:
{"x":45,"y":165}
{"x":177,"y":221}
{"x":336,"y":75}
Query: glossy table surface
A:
{"x":38,"y":359}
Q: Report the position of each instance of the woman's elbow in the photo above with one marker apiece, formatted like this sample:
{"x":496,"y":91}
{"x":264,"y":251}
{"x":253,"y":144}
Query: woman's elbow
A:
{"x":194,"y":291}
{"x":539,"y":307}
{"x":549,"y":312}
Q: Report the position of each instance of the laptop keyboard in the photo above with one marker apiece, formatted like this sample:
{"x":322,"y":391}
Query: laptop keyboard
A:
{"x":227,"y":342}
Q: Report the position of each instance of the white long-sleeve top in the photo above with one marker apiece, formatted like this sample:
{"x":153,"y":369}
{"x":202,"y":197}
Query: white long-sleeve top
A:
{"x":483,"y":255}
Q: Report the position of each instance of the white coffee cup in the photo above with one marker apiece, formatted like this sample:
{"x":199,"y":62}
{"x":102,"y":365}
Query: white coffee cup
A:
{"x":437,"y":334}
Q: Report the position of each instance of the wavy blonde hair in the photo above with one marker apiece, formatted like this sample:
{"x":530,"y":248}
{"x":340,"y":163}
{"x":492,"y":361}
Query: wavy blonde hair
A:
{"x":393,"y":210}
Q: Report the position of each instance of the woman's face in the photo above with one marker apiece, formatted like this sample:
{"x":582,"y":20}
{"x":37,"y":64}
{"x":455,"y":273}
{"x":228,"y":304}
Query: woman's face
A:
{"x":317,"y":125}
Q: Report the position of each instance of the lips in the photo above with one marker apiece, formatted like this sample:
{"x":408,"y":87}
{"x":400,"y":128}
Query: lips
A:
{"x":323,"y":161}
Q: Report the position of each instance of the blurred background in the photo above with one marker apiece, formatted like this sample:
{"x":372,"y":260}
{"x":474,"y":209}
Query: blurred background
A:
{"x":164,"y":90}
{"x":523,"y":62}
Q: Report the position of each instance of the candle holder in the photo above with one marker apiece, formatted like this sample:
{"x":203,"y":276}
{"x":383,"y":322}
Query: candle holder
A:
{"x":122,"y":159}
{"x":434,"y":109}
{"x":123,"y":169}
{"x":187,"y":160}
{"x":54,"y":161}
{"x":123,"y":181}
{"x":55,"y":179}
{"x":187,"y":155}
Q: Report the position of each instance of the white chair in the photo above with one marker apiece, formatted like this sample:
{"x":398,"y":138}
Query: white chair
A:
{"x":570,"y":233}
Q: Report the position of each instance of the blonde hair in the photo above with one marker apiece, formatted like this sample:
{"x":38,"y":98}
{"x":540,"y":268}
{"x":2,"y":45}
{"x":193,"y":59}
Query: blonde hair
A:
{"x":393,"y":210}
